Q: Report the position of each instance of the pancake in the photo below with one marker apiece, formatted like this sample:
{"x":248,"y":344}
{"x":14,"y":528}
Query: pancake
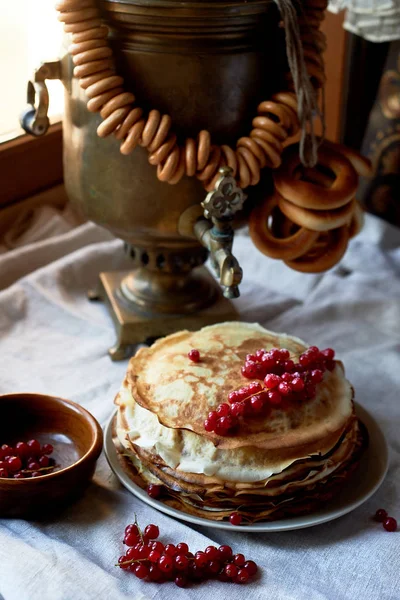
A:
{"x":282,"y":463}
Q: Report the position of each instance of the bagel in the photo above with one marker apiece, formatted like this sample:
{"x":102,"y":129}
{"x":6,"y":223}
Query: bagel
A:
{"x":317,"y":220}
{"x":309,"y":195}
{"x":325,"y":254}
{"x":263,"y":238}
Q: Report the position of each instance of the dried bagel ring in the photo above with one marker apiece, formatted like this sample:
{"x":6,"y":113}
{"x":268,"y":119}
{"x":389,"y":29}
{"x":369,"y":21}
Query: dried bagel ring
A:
{"x":203,"y":149}
{"x":212,"y":164}
{"x":244,"y":174}
{"x":93,"y":67}
{"x":130,"y":120}
{"x":254,"y":148}
{"x":267,"y":137}
{"x":104,"y":85}
{"x":361,"y":163}
{"x":82,"y":26}
{"x":77,"y":16}
{"x":160,"y":155}
{"x":190,"y":157}
{"x":317,"y":220}
{"x":230,"y":158}
{"x":357,"y":221}
{"x":86,"y":82}
{"x":133,"y":137}
{"x":90,"y":55}
{"x":96,"y":33}
{"x":119,"y":101}
{"x":109,"y":125}
{"x":75,"y":49}
{"x":308,"y":195}
{"x":180,"y":170}
{"x":161,"y":134}
{"x":274,"y":158}
{"x":325,"y":254}
{"x":263,"y":238}
{"x":251,"y":162}
{"x":167,"y":170}
{"x":268,"y":125}
{"x":149,"y":131}
{"x":65,"y":5}
{"x":95,"y":104}
{"x":287,"y":99}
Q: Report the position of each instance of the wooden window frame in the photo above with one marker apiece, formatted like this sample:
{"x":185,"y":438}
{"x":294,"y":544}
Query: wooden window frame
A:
{"x":30,"y":165}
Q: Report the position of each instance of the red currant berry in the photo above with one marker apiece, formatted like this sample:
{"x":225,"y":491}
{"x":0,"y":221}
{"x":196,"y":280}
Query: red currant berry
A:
{"x":239,"y":560}
{"x":268,"y":361}
{"x":121,"y":560}
{"x":257,"y":405}
{"x":214,"y":567}
{"x":284,"y":354}
{"x":44,"y":461}
{"x":260,"y":353}
{"x":272,"y":381}
{"x":225,"y":553}
{"x":304,"y":359}
{"x":181,"y":562}
{"x":242,"y":576}
{"x":36,"y":474}
{"x":380,"y":515}
{"x":284,"y":388}
{"x":390,"y":524}
{"x":330,"y":365}
{"x":223,"y":410}
{"x":133,"y":553}
{"x":224,"y":424}
{"x":231,"y":570}
{"x":211,"y":553}
{"x":182,"y":548}
{"x":47,"y":449}
{"x":22,"y":449}
{"x":297,"y":384}
{"x":158,"y":547}
{"x":19,"y":475}
{"x":234,"y":396}
{"x":154,"y":556}
{"x":316,"y":376}
{"x":200,"y":559}
{"x":254,"y":387}
{"x":166,"y":563}
{"x":141,"y":571}
{"x":132,"y":528}
{"x":194,"y":355}
{"x":209,"y":425}
{"x":14,"y":464}
{"x":6,"y":450}
{"x":170,"y":550}
{"x":252,"y":358}
{"x":131,"y":538}
{"x":34,"y":447}
{"x":250,"y":370}
{"x":151,"y":532}
{"x":197,"y":573}
{"x":287,"y":377}
{"x":154,"y":490}
{"x":181,"y":581}
{"x":328,"y":353}
{"x":288,"y":365}
{"x":275,"y":353}
{"x":143,"y":550}
{"x":237,"y":409}
{"x":235,"y":518}
{"x":33,"y":465}
{"x":154,"y":573}
{"x":222,"y":576}
{"x":251,"y":567}
{"x":3,"y":473}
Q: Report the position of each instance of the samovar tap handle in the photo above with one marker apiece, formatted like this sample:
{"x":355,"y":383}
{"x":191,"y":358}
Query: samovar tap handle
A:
{"x":34,"y":119}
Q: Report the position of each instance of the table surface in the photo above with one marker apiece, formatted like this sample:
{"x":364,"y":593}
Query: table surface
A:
{"x":52,"y":340}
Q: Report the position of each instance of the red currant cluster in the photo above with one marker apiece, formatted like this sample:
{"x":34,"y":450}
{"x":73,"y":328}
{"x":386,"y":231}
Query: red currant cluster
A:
{"x":26,"y":459}
{"x":156,"y":562}
{"x":388,"y":523}
{"x":283,"y":381}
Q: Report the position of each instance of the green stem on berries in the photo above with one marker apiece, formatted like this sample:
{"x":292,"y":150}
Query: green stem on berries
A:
{"x":139,"y":530}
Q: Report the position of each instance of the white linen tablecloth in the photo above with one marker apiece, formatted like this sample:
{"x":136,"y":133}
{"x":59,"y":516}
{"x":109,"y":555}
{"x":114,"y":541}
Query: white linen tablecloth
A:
{"x":52,"y":340}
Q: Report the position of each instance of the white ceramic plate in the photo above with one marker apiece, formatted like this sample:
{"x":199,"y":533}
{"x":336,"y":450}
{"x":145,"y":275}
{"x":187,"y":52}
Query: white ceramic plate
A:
{"x":366,"y":480}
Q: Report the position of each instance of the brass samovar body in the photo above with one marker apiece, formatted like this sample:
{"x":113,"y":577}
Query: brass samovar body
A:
{"x":207,"y":65}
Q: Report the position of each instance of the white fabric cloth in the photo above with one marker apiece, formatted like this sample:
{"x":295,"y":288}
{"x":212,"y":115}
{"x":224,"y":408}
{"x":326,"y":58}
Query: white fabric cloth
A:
{"x":53,"y":340}
{"x":373,"y":20}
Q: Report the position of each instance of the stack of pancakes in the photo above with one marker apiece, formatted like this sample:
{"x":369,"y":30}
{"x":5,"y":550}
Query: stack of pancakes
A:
{"x":286,"y":462}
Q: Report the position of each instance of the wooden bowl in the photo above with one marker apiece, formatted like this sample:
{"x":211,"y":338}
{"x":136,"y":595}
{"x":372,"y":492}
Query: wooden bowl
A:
{"x":77,"y":439}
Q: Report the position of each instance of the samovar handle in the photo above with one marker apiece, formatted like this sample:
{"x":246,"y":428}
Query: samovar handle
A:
{"x":34,"y":119}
